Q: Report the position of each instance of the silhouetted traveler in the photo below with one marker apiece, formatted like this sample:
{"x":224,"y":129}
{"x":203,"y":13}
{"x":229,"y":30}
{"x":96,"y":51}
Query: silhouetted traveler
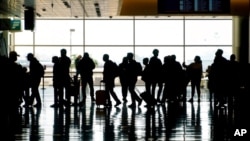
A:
{"x":155,"y":66}
{"x":166,"y":75}
{"x":194,"y":72}
{"x":146,"y":75}
{"x":109,"y":75}
{"x":77,"y":60}
{"x":134,"y":70}
{"x":173,"y":78}
{"x":234,"y":74}
{"x":86,"y":67}
{"x":123,"y":78}
{"x":219,"y":77}
{"x":56,"y":80}
{"x":10,"y":96}
{"x":209,"y":83}
{"x":64,"y":63}
{"x":26,"y":87}
{"x":36,"y":73}
{"x":18,"y":78}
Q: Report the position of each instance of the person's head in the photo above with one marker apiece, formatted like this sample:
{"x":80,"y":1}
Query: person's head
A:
{"x":130,"y":56}
{"x":86,"y":55}
{"x":79,"y":57}
{"x":167,"y":59}
{"x":145,"y":61}
{"x":124,"y":59}
{"x":55,"y":59}
{"x":105,"y":57}
{"x":155,"y":52}
{"x":197,"y":59}
{"x":173,"y":57}
{"x":219,"y":52}
{"x":30,"y":56}
{"x":232,"y":57}
{"x":13,"y":55}
{"x":63,"y":52}
{"x":24,"y":69}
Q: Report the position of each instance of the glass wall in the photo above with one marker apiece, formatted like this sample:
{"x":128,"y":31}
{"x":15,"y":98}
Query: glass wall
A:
{"x":183,"y":36}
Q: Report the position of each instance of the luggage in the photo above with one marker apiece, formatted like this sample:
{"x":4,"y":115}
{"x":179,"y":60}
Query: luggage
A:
{"x":148,"y":98}
{"x":100,"y":96}
{"x":75,"y":89}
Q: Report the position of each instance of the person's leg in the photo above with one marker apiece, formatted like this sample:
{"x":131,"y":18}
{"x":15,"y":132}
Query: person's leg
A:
{"x":160,"y":85}
{"x":153,"y":85}
{"x":113,"y":94}
{"x":84,"y":85}
{"x":91,"y":87}
{"x":107,"y":91}
{"x":124,"y":87}
{"x":198,"y":89}
{"x":192,"y":91}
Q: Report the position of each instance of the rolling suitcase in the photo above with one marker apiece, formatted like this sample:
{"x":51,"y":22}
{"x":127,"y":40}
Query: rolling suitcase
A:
{"x":148,"y":98}
{"x":100,"y":96}
{"x":75,"y":89}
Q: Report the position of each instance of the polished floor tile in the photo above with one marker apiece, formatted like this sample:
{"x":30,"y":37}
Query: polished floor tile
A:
{"x":180,"y":121}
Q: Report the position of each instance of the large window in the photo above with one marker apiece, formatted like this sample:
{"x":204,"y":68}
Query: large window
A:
{"x":184,"y":37}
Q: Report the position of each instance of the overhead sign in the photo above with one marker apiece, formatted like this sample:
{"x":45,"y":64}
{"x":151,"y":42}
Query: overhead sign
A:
{"x":193,"y":6}
{"x":15,"y":25}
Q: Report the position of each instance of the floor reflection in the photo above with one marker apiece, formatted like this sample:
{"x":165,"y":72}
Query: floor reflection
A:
{"x":180,"y":121}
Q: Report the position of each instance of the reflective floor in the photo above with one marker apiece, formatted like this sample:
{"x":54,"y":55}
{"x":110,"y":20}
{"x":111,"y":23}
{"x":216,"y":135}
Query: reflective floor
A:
{"x":181,"y":121}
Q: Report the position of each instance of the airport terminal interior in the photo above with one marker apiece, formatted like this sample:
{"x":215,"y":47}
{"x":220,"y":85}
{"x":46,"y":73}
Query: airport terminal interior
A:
{"x":183,"y":28}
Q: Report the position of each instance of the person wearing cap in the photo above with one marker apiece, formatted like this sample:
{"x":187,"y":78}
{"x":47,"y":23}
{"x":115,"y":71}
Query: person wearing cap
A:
{"x":16,"y":79}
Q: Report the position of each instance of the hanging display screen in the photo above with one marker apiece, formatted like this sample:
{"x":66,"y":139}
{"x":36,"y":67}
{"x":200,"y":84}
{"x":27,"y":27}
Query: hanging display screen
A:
{"x":193,"y":6}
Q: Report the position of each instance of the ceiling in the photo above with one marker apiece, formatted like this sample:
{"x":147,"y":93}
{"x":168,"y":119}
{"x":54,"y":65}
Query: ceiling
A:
{"x":93,"y":8}
{"x":61,"y":8}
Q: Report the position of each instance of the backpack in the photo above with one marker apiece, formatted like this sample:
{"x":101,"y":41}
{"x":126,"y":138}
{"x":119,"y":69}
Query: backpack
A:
{"x":115,"y":69}
{"x":41,"y":70}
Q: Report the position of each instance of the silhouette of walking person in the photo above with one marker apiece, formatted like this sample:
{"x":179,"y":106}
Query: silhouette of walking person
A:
{"x":56,"y":80}
{"x":109,"y":75}
{"x":155,"y":66}
{"x":36,"y":73}
{"x":194,"y":72}
{"x":86,"y":67}
{"x":123,"y":78}
{"x":64,"y":63}
{"x":134,"y":70}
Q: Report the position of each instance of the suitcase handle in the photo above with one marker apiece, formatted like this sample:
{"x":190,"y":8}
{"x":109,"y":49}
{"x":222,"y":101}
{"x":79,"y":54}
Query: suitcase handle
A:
{"x":101,"y":84}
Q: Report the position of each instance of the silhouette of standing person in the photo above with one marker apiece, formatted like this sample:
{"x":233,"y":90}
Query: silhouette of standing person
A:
{"x":134,"y":70}
{"x":77,"y":60}
{"x":155,"y":66}
{"x":234,"y":78}
{"x":123,"y":78}
{"x":35,"y":70}
{"x":64,"y":62}
{"x":18,"y":81}
{"x":108,"y":79}
{"x":219,"y":77}
{"x":86,"y":67}
{"x":26,"y":87}
{"x":209,"y":84}
{"x":194,"y":72}
{"x":146,"y":75}
{"x":56,"y":80}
